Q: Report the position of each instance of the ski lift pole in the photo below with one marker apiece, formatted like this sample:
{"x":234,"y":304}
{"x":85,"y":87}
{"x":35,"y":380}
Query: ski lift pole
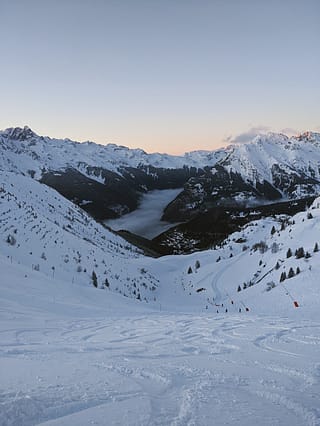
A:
{"x":295,"y":303}
{"x":245,"y":307}
{"x":231,"y":301}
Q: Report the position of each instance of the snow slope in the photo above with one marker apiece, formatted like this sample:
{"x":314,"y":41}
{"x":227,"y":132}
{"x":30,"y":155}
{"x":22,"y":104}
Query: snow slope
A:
{"x":188,"y":352}
{"x":45,"y":232}
{"x":73,"y":356}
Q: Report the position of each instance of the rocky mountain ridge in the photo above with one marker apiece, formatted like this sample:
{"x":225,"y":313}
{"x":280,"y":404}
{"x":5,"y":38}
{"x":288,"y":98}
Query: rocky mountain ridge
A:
{"x":107,"y":181}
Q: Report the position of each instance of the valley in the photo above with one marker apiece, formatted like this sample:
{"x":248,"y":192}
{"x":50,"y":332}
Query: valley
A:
{"x":146,"y":219}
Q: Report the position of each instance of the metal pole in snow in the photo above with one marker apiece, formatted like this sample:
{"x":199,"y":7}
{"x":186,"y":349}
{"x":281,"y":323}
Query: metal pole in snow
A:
{"x":230,"y":299}
{"x":295,"y":303}
{"x":245,"y":307}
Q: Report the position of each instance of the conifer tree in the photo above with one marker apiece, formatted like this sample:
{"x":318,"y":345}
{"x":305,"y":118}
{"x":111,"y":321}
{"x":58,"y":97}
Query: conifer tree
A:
{"x":291,"y":273}
{"x":283,"y":276}
{"x":94,"y":279}
{"x":299,"y":253}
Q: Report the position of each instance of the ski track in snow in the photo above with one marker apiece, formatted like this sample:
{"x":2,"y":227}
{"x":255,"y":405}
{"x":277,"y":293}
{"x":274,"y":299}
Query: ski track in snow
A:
{"x":160,"y":369}
{"x":218,"y":297}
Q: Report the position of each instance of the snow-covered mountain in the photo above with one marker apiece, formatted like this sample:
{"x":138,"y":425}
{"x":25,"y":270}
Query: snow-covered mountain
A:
{"x":38,"y":152}
{"x":268,"y":168}
{"x":107,"y":181}
{"x":44,"y":232}
{"x":229,"y":335}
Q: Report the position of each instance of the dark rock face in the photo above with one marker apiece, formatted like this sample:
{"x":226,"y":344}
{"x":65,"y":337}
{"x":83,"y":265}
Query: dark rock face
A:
{"x":21,"y":134}
{"x":217,"y":187}
{"x":235,"y":181}
{"x":105,"y":194}
{"x":293,"y":182}
{"x":113,"y":194}
{"x":101,"y":200}
{"x":213,"y":226}
{"x":148,"y":177}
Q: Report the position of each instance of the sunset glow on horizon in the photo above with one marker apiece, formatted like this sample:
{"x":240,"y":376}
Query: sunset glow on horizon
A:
{"x":169,"y":76}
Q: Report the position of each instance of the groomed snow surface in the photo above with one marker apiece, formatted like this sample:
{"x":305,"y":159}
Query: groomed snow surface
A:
{"x":73,"y":356}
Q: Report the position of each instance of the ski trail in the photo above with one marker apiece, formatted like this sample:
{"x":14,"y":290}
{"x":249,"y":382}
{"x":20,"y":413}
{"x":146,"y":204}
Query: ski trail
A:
{"x":219,"y":297}
{"x":171,"y":369}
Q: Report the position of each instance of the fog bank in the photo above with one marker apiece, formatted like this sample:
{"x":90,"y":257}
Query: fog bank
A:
{"x":145,"y":221}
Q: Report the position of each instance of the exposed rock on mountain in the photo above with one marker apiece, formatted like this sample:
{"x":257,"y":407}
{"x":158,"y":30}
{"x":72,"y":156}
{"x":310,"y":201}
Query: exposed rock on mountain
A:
{"x":108,"y":181}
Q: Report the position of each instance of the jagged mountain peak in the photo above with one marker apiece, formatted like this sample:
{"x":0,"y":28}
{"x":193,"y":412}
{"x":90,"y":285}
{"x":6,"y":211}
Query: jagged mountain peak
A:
{"x":20,"y":133}
{"x":308,"y":136}
{"x":270,"y":166}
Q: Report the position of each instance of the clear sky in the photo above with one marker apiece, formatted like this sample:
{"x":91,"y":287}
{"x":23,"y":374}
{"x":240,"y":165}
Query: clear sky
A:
{"x":163,"y":75}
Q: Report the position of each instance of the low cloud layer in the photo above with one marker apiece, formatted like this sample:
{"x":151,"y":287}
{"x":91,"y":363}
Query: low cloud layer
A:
{"x":146,"y":220}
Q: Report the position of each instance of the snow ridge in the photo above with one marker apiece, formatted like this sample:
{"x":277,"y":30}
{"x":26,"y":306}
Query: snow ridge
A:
{"x":23,"y":151}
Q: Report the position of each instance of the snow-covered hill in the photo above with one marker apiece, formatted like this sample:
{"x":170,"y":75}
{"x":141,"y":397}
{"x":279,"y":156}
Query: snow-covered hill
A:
{"x":73,"y":356}
{"x":185,"y":347}
{"x":77,"y":357}
{"x":48,"y":234}
{"x":45,"y":232}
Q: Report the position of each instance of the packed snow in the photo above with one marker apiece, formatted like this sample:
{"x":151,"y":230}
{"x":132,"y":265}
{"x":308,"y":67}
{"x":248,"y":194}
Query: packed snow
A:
{"x":73,"y":356}
{"x":146,"y":219}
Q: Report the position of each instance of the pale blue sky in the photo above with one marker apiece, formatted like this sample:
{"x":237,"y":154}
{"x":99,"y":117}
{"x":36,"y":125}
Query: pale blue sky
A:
{"x":165,"y":75}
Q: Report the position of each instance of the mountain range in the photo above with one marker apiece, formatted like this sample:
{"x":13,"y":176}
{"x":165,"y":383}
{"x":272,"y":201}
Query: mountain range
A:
{"x":108,"y":181}
{"x":95,"y":329}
